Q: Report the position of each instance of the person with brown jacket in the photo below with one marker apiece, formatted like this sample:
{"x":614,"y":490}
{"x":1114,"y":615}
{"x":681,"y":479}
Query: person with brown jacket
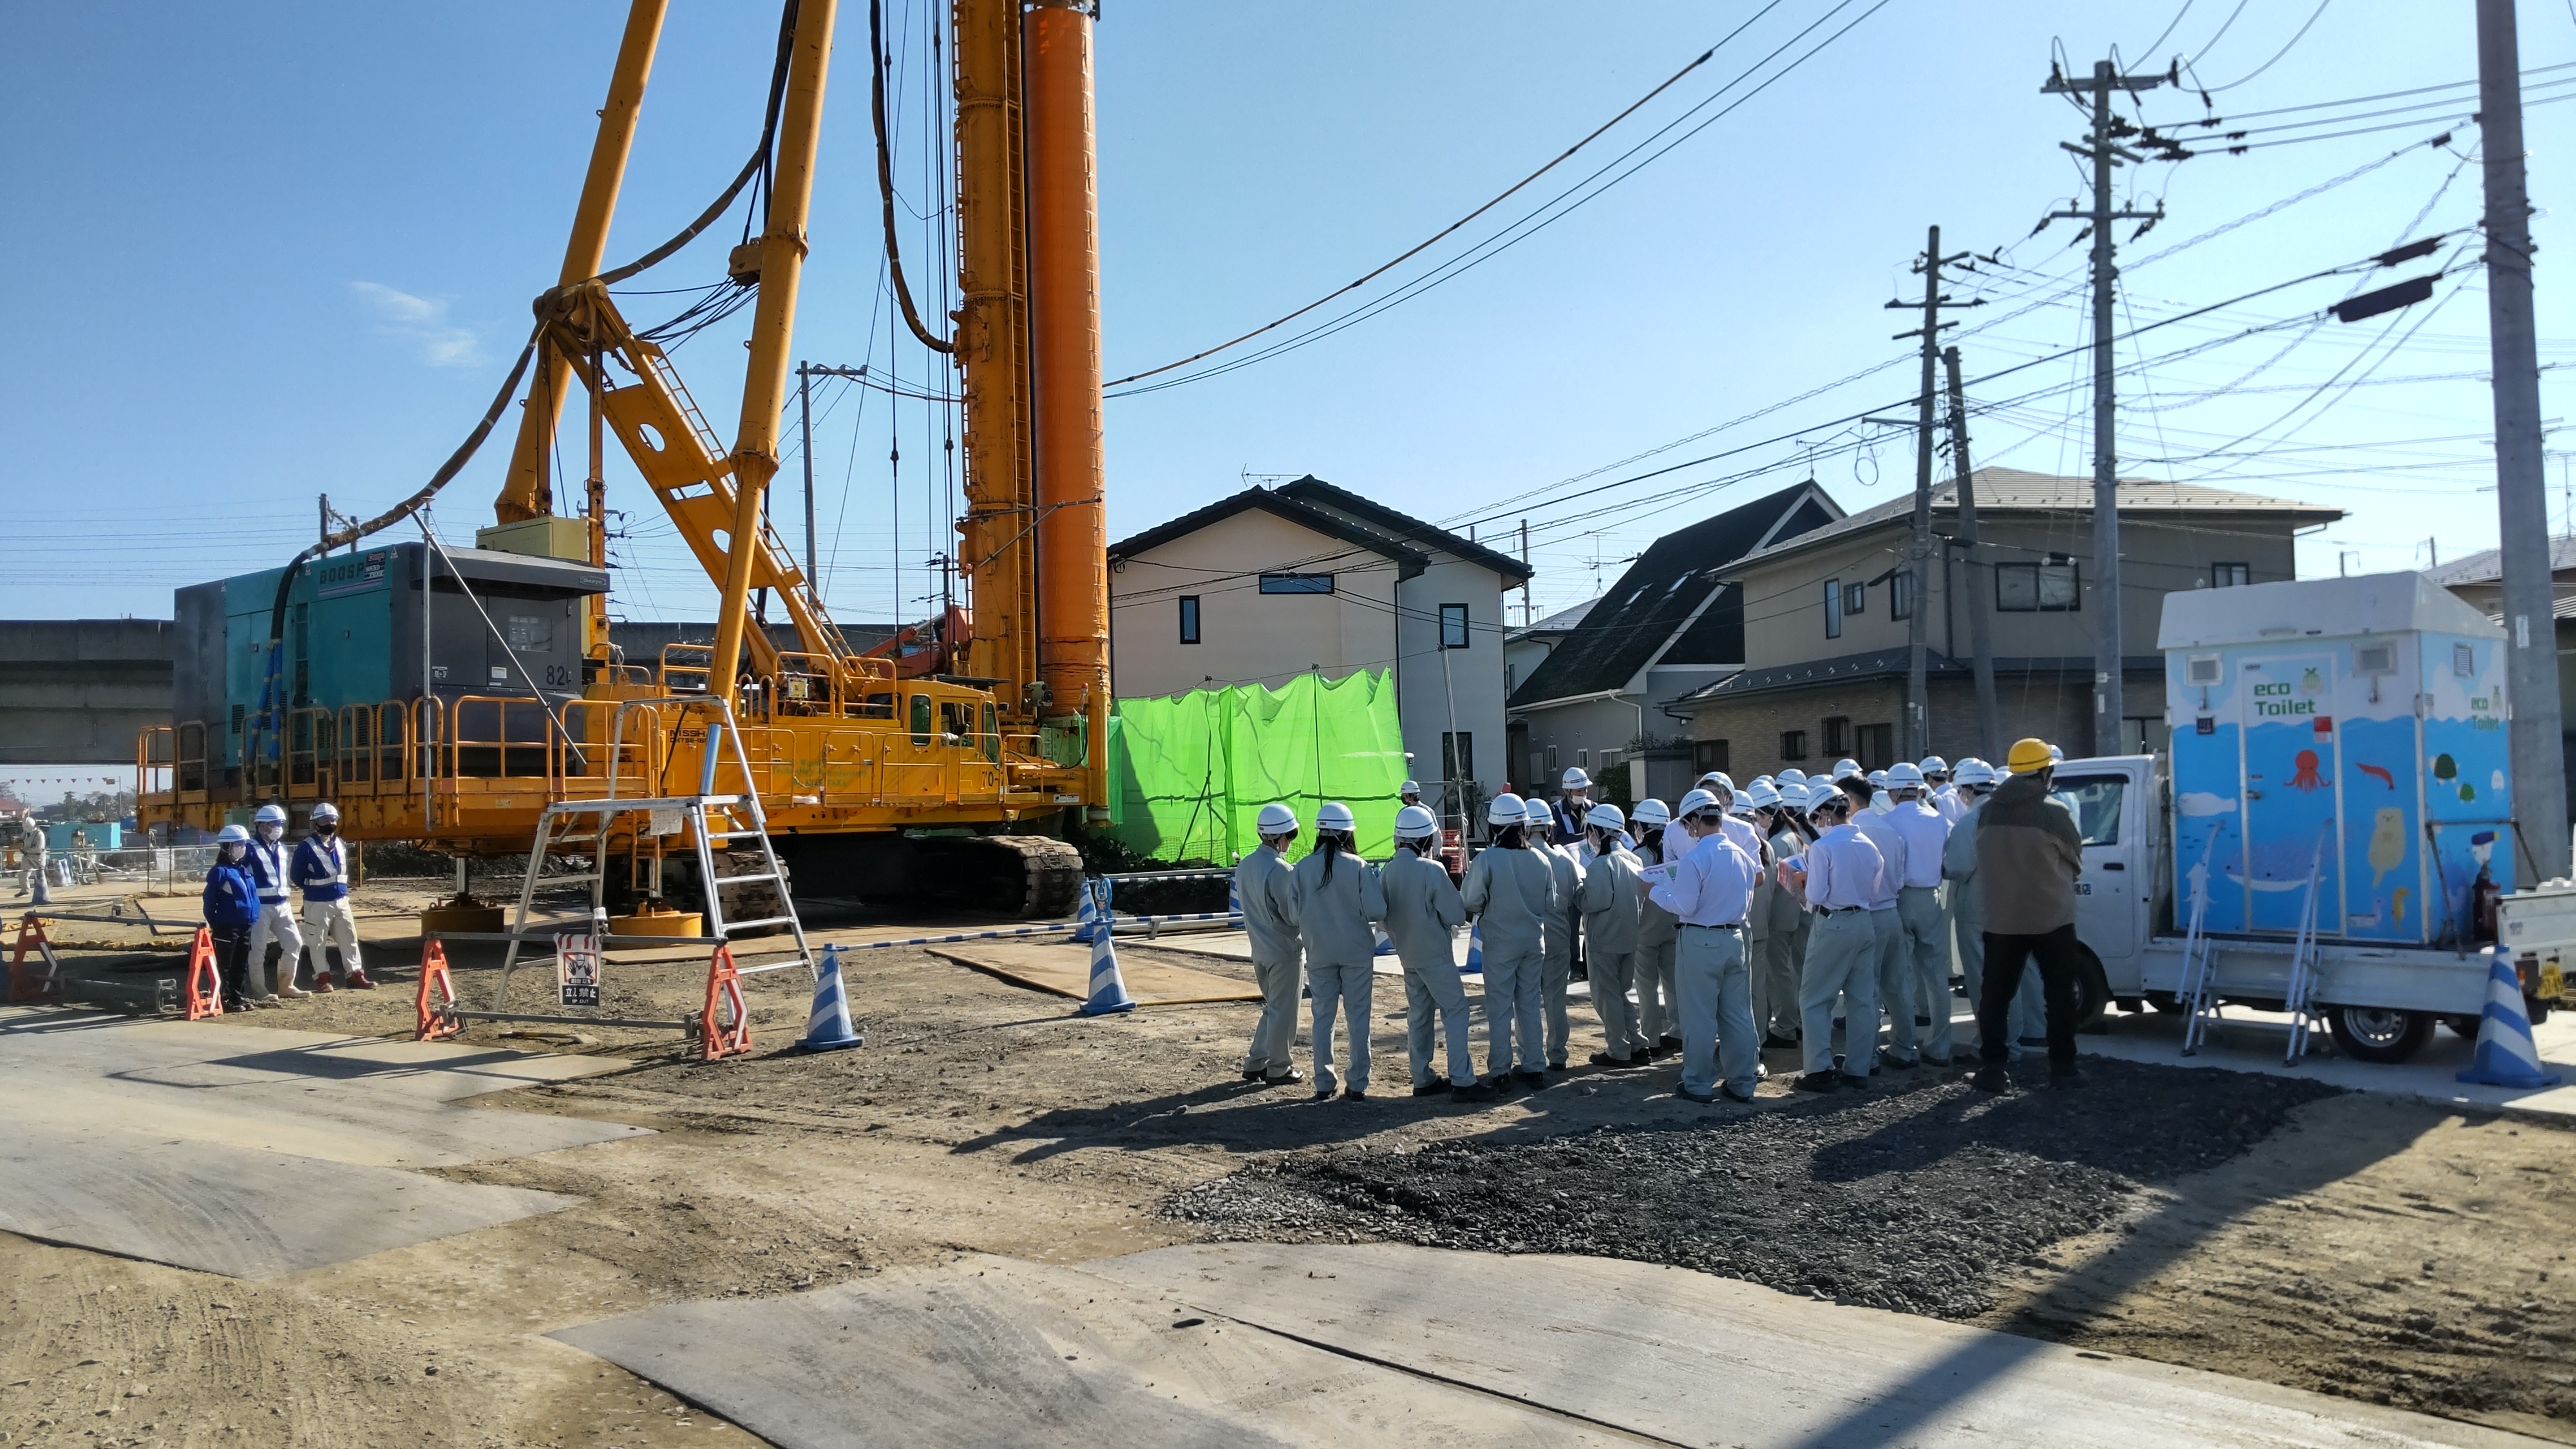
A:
{"x":2028,"y":855}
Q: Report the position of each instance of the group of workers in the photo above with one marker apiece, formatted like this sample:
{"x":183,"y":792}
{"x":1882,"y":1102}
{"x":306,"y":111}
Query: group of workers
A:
{"x":246,"y":902}
{"x":1793,"y":913}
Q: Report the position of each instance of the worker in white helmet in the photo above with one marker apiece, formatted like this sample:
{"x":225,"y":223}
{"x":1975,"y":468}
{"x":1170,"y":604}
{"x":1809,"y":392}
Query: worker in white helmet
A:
{"x":1409,"y":793}
{"x":1771,"y":970}
{"x":1838,"y":874}
{"x":1786,"y":933}
{"x":266,"y":859}
{"x":1338,"y":896}
{"x":1573,"y":802}
{"x":1267,"y":890}
{"x":1894,"y":995}
{"x":1422,"y":914}
{"x":1918,"y":909}
{"x":1556,"y":979}
{"x":1709,"y":891}
{"x":1511,"y":892}
{"x":1658,"y":932}
{"x":231,"y":906}
{"x":1612,"y":895}
{"x":321,"y":871}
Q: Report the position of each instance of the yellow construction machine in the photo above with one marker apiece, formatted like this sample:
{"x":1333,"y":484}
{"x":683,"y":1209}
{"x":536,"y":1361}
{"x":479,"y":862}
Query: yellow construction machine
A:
{"x":874,"y":780}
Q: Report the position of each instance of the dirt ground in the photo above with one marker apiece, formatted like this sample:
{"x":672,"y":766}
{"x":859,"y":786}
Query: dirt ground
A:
{"x":2360,"y":1245}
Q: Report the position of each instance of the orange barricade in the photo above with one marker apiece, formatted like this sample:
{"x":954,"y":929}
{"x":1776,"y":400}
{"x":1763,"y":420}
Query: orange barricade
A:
{"x":207,"y":999}
{"x":434,"y":1025}
{"x":724,"y":987}
{"x":26,"y":985}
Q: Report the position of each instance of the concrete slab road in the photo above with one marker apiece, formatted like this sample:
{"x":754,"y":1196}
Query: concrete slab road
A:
{"x":253,"y":1152}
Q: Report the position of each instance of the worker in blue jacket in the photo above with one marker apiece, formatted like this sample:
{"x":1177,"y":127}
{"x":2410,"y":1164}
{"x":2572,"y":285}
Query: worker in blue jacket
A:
{"x":232,"y":908}
{"x":321,"y":872}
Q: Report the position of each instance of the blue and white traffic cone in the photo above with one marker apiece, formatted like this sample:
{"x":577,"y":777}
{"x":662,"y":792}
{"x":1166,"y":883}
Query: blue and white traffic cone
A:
{"x":1233,"y":900}
{"x":2506,"y":1054}
{"x":827,"y":1028}
{"x":1475,"y":951}
{"x":1385,"y":943}
{"x":1108,"y":989}
{"x":1089,"y":917}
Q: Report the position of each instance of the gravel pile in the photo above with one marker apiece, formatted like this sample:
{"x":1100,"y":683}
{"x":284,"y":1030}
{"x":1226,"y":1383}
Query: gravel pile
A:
{"x":1906,"y":1198}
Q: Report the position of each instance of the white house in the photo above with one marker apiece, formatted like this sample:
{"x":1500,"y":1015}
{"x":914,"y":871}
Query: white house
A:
{"x":1270,"y":583}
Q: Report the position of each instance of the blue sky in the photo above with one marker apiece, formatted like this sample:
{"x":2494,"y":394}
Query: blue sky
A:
{"x":263,"y":251}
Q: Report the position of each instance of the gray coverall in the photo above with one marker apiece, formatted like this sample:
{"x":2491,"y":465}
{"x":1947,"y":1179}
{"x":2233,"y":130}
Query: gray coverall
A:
{"x":1968,"y":925}
{"x":1422,"y":910}
{"x":1266,"y":887}
{"x":1785,"y":942}
{"x":1611,"y":902}
{"x":1557,"y":977}
{"x":1333,"y":915}
{"x":1895,"y":966}
{"x":1658,"y":935}
{"x":1510,"y":892}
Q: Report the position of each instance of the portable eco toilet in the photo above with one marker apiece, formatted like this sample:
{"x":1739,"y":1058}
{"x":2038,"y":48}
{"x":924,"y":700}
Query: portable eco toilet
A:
{"x":2353,"y":728}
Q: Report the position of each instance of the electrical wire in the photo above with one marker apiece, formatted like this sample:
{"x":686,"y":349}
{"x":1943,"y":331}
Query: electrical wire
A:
{"x":2301,"y":34}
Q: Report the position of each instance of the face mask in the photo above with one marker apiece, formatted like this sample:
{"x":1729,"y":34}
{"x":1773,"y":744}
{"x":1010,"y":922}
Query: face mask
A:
{"x":326,"y":827}
{"x":271,"y":832}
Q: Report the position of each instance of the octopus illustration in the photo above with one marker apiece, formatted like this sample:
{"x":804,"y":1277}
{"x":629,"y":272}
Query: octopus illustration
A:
{"x":2306,"y":777}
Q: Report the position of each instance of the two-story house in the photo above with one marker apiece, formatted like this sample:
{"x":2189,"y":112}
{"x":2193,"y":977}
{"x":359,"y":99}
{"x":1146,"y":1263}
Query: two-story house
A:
{"x":1270,"y":583}
{"x":1668,"y":626}
{"x":1827,"y":615}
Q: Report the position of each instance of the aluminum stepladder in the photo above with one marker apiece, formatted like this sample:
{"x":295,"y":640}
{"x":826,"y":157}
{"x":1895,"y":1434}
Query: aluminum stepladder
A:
{"x":705,"y":817}
{"x":2300,"y":1001}
{"x":2199,"y":965}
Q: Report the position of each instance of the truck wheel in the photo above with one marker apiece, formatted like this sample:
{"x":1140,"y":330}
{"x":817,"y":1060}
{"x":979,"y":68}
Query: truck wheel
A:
{"x":2373,"y":1034}
{"x":2092,"y":991}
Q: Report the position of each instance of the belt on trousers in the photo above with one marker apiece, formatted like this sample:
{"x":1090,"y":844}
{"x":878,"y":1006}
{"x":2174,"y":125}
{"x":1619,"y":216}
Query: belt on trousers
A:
{"x":1839,"y":910}
{"x":1728,"y":926}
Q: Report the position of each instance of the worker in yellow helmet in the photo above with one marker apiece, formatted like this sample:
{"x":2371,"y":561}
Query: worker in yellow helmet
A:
{"x":2028,"y":855}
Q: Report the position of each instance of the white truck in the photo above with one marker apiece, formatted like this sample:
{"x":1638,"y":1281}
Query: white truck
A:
{"x":2380,"y":1000}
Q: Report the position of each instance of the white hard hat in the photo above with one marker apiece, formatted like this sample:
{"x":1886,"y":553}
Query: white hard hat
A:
{"x":1575,"y":779}
{"x":1761,"y":794}
{"x":1881,"y":801}
{"x":1277,"y":819}
{"x":1695,"y":802}
{"x":1534,"y":810}
{"x":232,"y":835}
{"x":1934,"y":765}
{"x":1902,"y":776}
{"x":326,"y":811}
{"x":1823,"y":798}
{"x":1414,"y":820}
{"x":1973,"y":771}
{"x":1793,"y":795}
{"x":1607,"y":816}
{"x":1507,"y":809}
{"x":1760,"y":780}
{"x":1334,"y":815}
{"x":1651,"y":812}
{"x":1793,"y":776}
{"x":1844,"y":769}
{"x":1720,"y":778}
{"x":1878,"y":778}
{"x":271,"y":815}
{"x":1409,"y":787}
{"x":2056,"y":756}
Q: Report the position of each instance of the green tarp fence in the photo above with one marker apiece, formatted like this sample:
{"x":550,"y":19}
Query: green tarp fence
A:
{"x":1189,"y":772}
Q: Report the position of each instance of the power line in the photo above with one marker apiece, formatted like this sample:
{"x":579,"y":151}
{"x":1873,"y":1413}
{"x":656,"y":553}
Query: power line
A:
{"x":2276,"y":56}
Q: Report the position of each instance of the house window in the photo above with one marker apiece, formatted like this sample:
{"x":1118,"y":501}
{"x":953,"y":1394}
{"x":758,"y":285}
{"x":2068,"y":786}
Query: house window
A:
{"x":1189,"y":618}
{"x":1453,"y":626}
{"x":1458,"y":755}
{"x":1610,"y":762}
{"x":2053,"y":587}
{"x":1793,"y":744}
{"x":1296,"y":583}
{"x":2230,"y":575}
{"x":1838,"y":735}
{"x":1551,"y":763}
{"x":1877,"y":746}
{"x":1833,"y":608}
{"x":1855,"y":598}
{"x":1900,"y":596}
{"x":1707,"y":755}
{"x":1583,"y":759}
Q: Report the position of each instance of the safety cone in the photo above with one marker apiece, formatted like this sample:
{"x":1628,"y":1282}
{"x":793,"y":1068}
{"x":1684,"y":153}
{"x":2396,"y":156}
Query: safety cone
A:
{"x":430,"y":1021}
{"x":827,"y":1028}
{"x":724,"y":993}
{"x":2506,"y":1056}
{"x":1108,"y":989}
{"x":204,"y":990}
{"x":1475,"y":951}
{"x":1385,"y":943}
{"x":28,"y":985}
{"x":1089,"y":917}
{"x":1233,"y":899}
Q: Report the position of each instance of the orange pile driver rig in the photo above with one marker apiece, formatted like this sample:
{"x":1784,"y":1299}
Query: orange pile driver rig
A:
{"x":878,"y":781}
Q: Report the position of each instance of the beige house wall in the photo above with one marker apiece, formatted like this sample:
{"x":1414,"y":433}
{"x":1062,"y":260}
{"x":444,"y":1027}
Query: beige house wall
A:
{"x":1247,"y":636}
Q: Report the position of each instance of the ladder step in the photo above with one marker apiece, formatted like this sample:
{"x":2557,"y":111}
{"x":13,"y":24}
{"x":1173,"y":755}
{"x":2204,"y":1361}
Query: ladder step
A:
{"x":732,"y":926}
{"x":731,"y":880}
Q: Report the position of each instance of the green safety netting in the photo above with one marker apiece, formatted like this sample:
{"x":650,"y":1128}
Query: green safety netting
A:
{"x":1188,"y":772}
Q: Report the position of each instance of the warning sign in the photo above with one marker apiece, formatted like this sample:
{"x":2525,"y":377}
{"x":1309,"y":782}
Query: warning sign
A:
{"x":577,"y":970}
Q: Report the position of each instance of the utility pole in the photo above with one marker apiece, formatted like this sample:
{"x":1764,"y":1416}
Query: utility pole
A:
{"x":2522,"y":488}
{"x":2102,"y":147}
{"x":805,"y":437}
{"x":1525,"y":593}
{"x":1918,"y":647}
{"x":1981,"y":588}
